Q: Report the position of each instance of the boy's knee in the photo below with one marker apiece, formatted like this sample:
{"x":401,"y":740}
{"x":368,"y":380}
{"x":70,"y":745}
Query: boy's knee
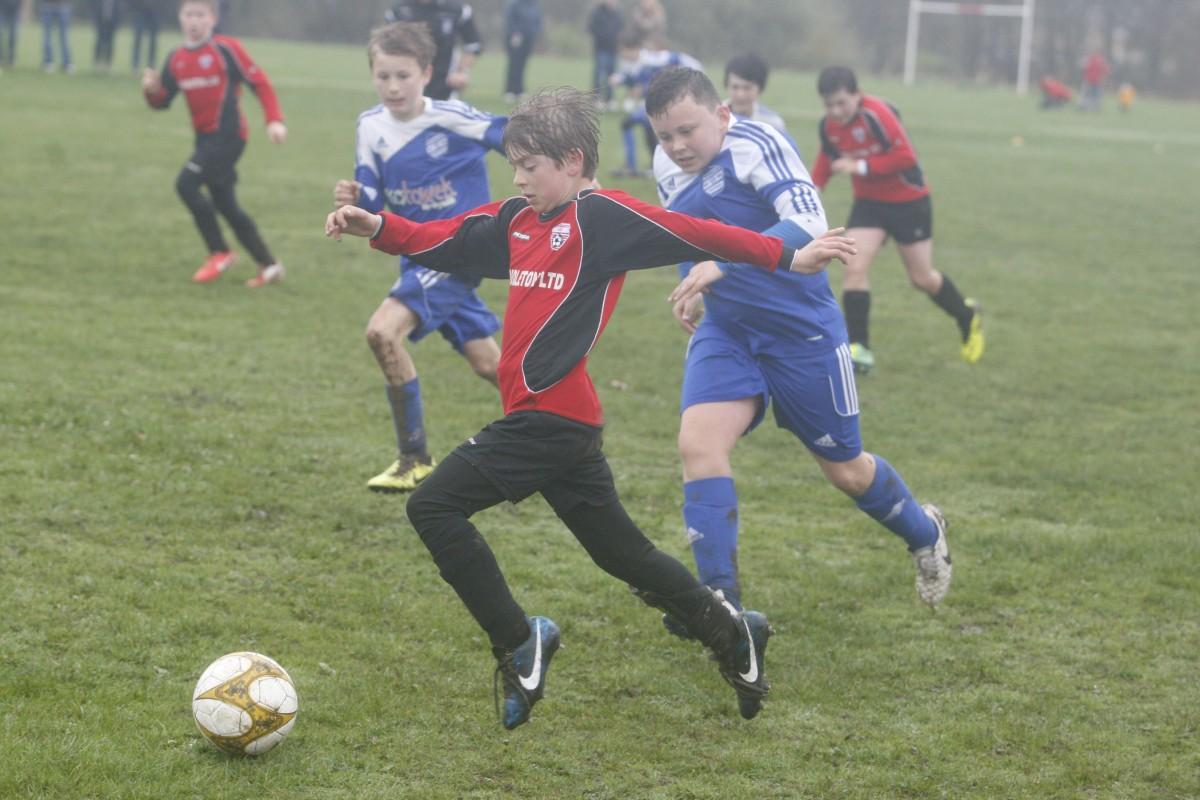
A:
{"x":187,"y":184}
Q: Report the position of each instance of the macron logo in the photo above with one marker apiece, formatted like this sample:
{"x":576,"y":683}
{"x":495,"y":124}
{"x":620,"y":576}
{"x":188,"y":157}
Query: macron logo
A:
{"x":524,"y":237}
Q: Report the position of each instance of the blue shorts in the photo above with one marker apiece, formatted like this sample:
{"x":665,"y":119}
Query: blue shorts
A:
{"x":443,"y":304}
{"x":815,"y":397}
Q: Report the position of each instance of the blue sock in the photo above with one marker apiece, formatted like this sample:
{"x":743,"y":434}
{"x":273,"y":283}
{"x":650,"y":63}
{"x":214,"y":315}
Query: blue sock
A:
{"x":408,"y":415}
{"x":710,"y":511}
{"x":889,"y":503}
{"x":630,"y":149}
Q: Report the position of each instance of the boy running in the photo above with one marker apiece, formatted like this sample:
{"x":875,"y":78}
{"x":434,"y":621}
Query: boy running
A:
{"x":210,"y":70}
{"x":424,"y":159}
{"x":861,"y":136}
{"x":765,"y":337}
{"x":638,"y":67}
{"x":564,"y":248}
{"x":745,"y":81}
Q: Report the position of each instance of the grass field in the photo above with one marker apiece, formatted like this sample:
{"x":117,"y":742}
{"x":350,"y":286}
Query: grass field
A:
{"x":182,"y":470}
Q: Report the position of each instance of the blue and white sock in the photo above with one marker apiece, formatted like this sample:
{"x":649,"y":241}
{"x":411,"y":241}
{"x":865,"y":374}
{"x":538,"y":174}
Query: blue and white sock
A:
{"x":408,"y":416}
{"x":710,"y":512}
{"x":889,"y":502}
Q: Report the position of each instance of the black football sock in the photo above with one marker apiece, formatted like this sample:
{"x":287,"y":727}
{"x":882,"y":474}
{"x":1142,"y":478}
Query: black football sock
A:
{"x":950,"y":301}
{"x":856,"y":305}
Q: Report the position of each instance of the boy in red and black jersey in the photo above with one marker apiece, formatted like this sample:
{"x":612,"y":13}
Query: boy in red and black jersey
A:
{"x":861,"y":136}
{"x":210,"y":71}
{"x":564,"y":248}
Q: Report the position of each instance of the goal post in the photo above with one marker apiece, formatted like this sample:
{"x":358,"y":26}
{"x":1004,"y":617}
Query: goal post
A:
{"x":918,"y":7}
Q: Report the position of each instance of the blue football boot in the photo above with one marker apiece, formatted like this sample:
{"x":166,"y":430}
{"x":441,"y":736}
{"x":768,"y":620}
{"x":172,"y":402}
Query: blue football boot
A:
{"x":523,"y":672}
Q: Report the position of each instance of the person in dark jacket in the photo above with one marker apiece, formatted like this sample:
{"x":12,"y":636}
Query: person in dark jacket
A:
{"x":522,"y":24}
{"x":451,"y":23}
{"x":604,"y":24}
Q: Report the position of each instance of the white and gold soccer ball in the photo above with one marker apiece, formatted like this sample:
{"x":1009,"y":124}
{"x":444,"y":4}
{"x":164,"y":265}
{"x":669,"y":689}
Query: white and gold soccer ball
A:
{"x":245,"y":703}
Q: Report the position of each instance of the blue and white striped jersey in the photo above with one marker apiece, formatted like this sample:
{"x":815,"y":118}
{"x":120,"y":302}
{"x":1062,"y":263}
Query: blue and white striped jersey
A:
{"x":649,"y":63}
{"x":430,"y":167}
{"x":757,"y":181}
{"x":764,"y":114}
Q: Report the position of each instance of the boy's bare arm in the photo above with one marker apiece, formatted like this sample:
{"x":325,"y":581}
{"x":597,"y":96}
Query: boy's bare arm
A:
{"x":346,"y":193}
{"x":352,"y":220}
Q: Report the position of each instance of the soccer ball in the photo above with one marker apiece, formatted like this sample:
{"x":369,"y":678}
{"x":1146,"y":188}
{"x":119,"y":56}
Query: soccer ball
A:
{"x":245,"y":703}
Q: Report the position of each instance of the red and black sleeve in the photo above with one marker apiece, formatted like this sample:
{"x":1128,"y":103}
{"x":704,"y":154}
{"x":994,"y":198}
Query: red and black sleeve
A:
{"x":170,"y":87}
{"x":898,"y":154}
{"x":621,"y":233}
{"x":250,"y":73}
{"x":473,"y":243}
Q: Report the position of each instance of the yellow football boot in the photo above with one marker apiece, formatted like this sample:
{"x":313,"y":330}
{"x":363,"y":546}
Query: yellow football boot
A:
{"x":972,"y":347}
{"x":404,"y":475}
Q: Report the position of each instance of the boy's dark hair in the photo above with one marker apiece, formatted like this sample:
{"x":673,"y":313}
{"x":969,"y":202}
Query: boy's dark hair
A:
{"x":749,"y":67}
{"x":833,"y":79}
{"x":553,"y":123}
{"x":403,"y":39}
{"x":674,"y":84}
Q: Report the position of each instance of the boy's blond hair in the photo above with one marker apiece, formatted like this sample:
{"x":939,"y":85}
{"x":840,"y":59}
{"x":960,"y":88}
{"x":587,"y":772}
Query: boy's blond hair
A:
{"x":213,"y":5}
{"x":403,"y":39}
{"x":553,"y":123}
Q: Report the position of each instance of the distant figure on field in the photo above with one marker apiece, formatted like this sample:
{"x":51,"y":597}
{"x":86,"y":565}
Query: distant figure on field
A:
{"x":1095,"y":70}
{"x":861,"y":136}
{"x":745,"y":80}
{"x":56,"y":14}
{"x":1125,"y":97}
{"x":107,"y":18}
{"x":145,"y":26}
{"x":210,"y":70}
{"x":451,"y":23}
{"x":648,"y":20}
{"x":639,"y":64}
{"x":604,"y":24}
{"x":1055,"y":93}
{"x":522,"y":26}
{"x":10,"y":18}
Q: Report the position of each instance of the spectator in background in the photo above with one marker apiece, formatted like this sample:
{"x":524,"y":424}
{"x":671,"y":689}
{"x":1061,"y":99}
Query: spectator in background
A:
{"x":106,"y":14}
{"x":224,"y":18}
{"x":648,"y":19}
{"x":145,"y":24}
{"x":522,"y":25}
{"x":1095,"y":70}
{"x":56,"y":13}
{"x":604,"y":24}
{"x":1125,"y":96}
{"x":10,"y":16}
{"x":450,"y":23}
{"x":745,"y":80}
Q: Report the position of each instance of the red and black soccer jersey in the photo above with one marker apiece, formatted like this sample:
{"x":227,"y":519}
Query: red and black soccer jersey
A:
{"x":211,"y":75}
{"x":875,"y":136}
{"x":565,"y":270}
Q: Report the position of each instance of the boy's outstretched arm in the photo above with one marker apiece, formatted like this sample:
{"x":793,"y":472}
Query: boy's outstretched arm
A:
{"x":811,"y":258}
{"x":473,"y":243}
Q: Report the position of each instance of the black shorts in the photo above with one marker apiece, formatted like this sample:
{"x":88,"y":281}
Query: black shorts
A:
{"x":905,"y":222}
{"x":532,"y":451}
{"x":215,"y":157}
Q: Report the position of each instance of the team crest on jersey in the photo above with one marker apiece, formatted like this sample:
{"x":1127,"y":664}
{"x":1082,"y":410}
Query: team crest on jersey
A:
{"x":206,"y":60}
{"x":559,"y":235}
{"x":437,"y":145}
{"x":859,"y":134}
{"x":713,"y":181}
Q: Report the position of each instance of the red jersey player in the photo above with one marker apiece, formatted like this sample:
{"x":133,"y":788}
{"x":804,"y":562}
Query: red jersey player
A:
{"x":210,"y":70}
{"x":861,"y":136}
{"x":564,"y":248}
